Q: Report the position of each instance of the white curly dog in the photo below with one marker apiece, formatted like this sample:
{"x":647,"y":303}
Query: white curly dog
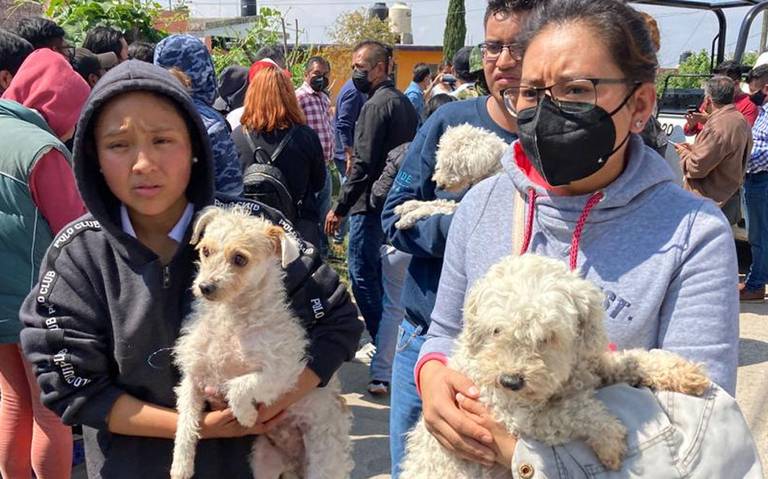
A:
{"x":243,"y":339}
{"x":465,"y":156}
{"x":534,"y":344}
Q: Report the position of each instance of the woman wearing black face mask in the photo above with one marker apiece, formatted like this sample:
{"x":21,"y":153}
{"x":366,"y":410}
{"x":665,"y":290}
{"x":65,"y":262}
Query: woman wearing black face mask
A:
{"x":581,"y":186}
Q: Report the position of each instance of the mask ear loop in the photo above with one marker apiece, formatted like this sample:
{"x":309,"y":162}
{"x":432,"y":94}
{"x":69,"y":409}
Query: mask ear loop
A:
{"x":629,"y":132}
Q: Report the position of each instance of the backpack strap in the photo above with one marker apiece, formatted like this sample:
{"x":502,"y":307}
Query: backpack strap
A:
{"x":281,"y":145}
{"x":258,"y":150}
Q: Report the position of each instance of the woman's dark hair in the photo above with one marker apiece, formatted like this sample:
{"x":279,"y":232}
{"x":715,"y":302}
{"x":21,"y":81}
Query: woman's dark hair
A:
{"x":13,"y":51}
{"x":436,"y":102}
{"x":104,"y":39}
{"x":143,"y":51}
{"x":40,"y":32}
{"x":618,"y":26}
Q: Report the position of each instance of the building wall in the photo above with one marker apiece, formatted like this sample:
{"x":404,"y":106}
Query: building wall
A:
{"x":405,"y":59}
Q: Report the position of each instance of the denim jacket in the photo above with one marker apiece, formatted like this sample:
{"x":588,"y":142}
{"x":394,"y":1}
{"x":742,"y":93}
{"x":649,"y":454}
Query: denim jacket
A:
{"x":670,"y":435}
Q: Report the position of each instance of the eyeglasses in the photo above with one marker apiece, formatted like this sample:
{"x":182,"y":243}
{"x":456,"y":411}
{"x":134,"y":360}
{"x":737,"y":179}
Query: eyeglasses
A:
{"x":492,"y":50}
{"x":571,"y":96}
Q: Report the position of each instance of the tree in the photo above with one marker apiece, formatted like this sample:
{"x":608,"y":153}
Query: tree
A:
{"x":696,"y":64}
{"x":135,"y":18}
{"x":455,"y":29}
{"x":354,"y":26}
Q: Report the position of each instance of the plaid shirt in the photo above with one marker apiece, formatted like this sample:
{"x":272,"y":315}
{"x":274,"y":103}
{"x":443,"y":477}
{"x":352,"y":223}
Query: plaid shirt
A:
{"x":317,"y":108}
{"x":758,"y":161}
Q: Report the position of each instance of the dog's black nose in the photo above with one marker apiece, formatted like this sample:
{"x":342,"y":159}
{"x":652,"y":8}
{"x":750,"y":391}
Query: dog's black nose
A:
{"x":207,"y":288}
{"x":514,"y":382}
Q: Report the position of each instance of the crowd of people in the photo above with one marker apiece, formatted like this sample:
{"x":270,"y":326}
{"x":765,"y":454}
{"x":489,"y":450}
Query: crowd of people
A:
{"x":111,"y":148}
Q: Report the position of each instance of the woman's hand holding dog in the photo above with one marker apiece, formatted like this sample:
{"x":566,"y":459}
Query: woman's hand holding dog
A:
{"x":454,"y":428}
{"x":503,"y":442}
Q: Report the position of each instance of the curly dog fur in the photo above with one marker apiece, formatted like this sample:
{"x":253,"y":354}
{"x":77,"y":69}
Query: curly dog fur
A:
{"x":534,"y":344}
{"x":243,"y":339}
{"x":465,"y":156}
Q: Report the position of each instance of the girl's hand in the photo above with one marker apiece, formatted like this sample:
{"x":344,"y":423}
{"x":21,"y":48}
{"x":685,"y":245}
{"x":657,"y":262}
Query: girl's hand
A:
{"x":222,"y":424}
{"x":452,"y":427}
{"x":504,"y":442}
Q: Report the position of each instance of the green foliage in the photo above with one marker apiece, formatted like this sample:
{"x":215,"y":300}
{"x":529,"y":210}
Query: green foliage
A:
{"x":354,"y":26}
{"x":132,"y":17}
{"x":455,"y":29}
{"x":698,"y":63}
{"x":267,"y":29}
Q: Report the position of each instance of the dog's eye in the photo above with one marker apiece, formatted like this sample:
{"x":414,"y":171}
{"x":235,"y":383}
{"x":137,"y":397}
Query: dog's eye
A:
{"x":239,"y":260}
{"x":496,"y":331}
{"x":206,"y":252}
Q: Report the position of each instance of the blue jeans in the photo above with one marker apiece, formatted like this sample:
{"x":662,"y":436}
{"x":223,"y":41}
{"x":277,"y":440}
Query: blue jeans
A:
{"x":341,"y":166}
{"x":405,"y":404}
{"x":394,"y":264}
{"x":756,"y":199}
{"x":364,"y":261}
{"x":323,"y":198}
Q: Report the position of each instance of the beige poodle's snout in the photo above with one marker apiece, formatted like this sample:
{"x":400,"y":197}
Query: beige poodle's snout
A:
{"x":513,"y":382}
{"x":208,"y":289}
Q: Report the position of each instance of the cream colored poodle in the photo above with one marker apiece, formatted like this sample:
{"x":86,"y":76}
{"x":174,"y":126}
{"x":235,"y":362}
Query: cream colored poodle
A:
{"x":465,"y":156}
{"x":243,"y":339}
{"x":534,"y":344}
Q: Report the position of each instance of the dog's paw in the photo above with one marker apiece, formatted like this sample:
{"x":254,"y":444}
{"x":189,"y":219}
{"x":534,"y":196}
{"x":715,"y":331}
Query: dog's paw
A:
{"x":182,"y":470}
{"x":245,"y":412}
{"x":610,"y":444}
{"x":670,"y":372}
{"x":407,"y":207}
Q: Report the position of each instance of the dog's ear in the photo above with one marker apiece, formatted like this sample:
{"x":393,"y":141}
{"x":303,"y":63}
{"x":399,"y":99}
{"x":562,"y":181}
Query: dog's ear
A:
{"x":589,"y":301}
{"x":205,"y":217}
{"x":473,"y":336}
{"x":283,"y":246}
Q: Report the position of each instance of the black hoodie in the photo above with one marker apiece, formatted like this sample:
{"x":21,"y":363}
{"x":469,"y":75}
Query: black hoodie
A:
{"x":106,"y":312}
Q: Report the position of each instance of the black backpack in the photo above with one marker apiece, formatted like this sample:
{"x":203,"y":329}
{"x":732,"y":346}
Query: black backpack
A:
{"x":265,"y":183}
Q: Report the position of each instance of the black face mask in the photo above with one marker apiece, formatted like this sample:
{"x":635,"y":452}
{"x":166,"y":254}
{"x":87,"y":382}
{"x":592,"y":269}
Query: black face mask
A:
{"x":758,"y":97}
{"x":361,"y":81}
{"x":564,"y":146}
{"x":318,"y":84}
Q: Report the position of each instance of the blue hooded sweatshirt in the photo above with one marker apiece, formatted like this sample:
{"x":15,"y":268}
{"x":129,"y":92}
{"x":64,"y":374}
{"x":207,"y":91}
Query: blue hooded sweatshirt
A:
{"x":664,"y":258}
{"x":191,"y":56}
{"x":426,"y":239}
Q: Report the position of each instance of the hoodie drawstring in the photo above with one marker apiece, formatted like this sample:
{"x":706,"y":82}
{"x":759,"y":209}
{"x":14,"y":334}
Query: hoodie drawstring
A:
{"x":575,"y":239}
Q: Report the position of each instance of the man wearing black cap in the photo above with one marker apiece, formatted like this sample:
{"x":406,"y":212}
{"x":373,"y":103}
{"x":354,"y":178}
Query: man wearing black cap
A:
{"x":233,"y":83}
{"x":465,"y":77}
{"x":89,"y":65}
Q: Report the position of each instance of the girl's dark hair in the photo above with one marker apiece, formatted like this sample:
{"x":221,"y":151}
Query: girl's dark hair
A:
{"x":618,"y":26}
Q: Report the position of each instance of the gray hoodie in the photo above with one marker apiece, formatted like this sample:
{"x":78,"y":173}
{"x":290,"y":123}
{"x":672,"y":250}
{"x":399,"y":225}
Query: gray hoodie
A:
{"x":664,"y":258}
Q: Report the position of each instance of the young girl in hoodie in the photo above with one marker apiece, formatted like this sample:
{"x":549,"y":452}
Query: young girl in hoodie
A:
{"x":597,"y":198}
{"x":38,"y":197}
{"x":115,"y":286}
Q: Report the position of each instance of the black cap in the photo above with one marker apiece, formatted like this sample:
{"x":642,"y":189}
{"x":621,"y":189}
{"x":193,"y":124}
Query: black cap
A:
{"x":461,"y":64}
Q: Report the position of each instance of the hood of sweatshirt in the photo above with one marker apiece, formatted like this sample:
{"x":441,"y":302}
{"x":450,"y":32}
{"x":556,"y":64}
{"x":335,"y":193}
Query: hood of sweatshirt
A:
{"x":645,"y":169}
{"x":568,"y":216}
{"x":47,"y":84}
{"x":190,"y":55}
{"x":135,"y":75}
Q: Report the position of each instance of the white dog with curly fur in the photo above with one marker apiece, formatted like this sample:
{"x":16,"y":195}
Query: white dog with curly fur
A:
{"x":465,"y":156}
{"x":534,"y":344}
{"x":243,"y":339}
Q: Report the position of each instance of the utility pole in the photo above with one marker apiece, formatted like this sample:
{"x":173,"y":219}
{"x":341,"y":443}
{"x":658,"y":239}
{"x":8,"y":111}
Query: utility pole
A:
{"x":763,"y":33}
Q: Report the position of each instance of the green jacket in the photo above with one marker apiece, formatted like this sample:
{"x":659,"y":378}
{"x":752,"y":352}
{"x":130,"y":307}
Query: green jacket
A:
{"x":24,"y":234}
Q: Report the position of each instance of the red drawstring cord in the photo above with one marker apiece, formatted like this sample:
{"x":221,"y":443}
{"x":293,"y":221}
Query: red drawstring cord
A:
{"x":576,"y":238}
{"x":529,"y":220}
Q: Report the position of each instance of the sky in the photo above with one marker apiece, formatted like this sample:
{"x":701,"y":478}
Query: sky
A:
{"x":681,"y":29}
